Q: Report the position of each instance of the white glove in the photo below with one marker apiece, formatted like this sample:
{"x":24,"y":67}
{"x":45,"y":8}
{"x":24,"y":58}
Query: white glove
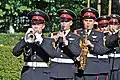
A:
{"x":39,"y":38}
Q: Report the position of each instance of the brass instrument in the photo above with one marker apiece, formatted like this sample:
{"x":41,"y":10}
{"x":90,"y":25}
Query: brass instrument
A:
{"x":55,"y":35}
{"x":82,"y":58}
{"x":30,"y":36}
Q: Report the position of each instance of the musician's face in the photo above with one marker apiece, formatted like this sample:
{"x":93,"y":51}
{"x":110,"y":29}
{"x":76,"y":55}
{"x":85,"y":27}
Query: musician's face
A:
{"x":88,"y":23}
{"x":66,"y":25}
{"x":38,"y":27}
{"x":102,"y":29}
{"x":114,"y":27}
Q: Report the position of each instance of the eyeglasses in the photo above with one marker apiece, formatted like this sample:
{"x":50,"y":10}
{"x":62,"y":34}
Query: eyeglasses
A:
{"x":65,"y":19}
{"x":37,"y":22}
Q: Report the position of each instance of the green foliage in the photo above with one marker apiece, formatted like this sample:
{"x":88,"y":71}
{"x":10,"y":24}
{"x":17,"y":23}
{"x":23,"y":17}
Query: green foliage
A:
{"x":10,"y":66}
{"x":10,"y":39}
{"x":104,"y":7}
{"x":15,"y":8}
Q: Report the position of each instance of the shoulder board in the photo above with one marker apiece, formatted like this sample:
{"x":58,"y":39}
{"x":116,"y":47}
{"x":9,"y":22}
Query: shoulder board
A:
{"x":76,"y":34}
{"x":47,"y":37}
{"x":98,"y":30}
{"x":75,"y":31}
{"x":78,"y":29}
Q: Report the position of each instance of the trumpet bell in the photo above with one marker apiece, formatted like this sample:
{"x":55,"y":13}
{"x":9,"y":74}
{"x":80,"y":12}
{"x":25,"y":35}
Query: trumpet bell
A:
{"x":30,"y":37}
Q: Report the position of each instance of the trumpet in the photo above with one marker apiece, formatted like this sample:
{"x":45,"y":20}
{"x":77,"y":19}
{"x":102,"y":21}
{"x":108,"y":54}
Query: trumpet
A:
{"x":55,"y":35}
{"x":30,"y":36}
{"x":60,"y":39}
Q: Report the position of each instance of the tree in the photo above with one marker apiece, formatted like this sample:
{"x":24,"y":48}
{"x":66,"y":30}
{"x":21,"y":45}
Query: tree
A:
{"x":11,"y":9}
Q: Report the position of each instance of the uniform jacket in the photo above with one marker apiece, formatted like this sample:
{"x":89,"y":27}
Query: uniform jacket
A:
{"x":66,"y":70}
{"x":112,"y":41}
{"x":94,"y":64}
{"x":34,"y":52}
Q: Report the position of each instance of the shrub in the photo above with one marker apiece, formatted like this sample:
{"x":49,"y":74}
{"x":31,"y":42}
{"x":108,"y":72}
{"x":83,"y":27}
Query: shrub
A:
{"x":10,"y":39}
{"x":10,"y":66}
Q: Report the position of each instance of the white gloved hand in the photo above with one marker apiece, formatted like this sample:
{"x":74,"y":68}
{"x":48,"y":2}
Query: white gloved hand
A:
{"x":39,"y":38}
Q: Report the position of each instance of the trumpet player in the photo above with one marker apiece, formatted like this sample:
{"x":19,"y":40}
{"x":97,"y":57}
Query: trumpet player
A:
{"x":36,"y":48}
{"x":62,"y":67}
{"x":95,"y":46}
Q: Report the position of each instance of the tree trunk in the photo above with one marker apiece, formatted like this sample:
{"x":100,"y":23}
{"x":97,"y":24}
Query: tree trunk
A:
{"x":88,"y":4}
{"x":99,"y":7}
{"x":110,"y":6}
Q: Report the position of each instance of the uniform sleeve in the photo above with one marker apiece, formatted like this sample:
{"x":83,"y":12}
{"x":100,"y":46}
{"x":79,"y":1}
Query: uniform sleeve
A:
{"x":112,"y":41}
{"x":49,"y":47}
{"x":100,"y":50}
{"x":73,"y":47}
{"x":99,"y":47}
{"x":18,"y":49}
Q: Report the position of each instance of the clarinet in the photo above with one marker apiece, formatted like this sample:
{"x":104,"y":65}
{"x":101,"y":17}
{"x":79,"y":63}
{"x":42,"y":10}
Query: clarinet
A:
{"x":60,"y":39}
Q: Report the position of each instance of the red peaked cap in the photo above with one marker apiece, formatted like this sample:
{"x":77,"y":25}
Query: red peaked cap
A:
{"x":113,"y":20}
{"x":38,"y":18}
{"x":89,"y":13}
{"x":103,"y":19}
{"x":38,"y":14}
{"x":115,"y":16}
{"x":66,"y":16}
{"x":66,"y":13}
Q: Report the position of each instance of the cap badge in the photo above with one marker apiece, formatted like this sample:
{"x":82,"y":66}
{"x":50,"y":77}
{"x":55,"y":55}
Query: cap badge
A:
{"x":36,"y":12}
{"x":104,"y":17}
{"x":89,"y":9}
{"x":114,"y":15}
{"x":65,"y":11}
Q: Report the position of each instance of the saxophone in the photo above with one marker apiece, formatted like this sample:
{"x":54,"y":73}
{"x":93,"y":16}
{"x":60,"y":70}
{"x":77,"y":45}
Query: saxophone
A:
{"x":82,"y":58}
